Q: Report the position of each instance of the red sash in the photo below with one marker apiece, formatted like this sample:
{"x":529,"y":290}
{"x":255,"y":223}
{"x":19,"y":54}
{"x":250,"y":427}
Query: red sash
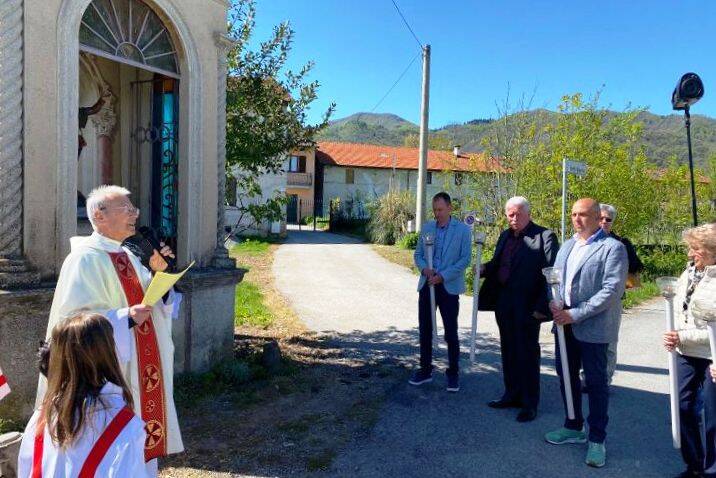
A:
{"x":151,"y":380}
{"x":96,"y":454}
{"x":3,"y":381}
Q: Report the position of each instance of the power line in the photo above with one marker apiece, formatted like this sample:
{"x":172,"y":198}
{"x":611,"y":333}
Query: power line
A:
{"x":396,"y":82}
{"x":407,"y":24}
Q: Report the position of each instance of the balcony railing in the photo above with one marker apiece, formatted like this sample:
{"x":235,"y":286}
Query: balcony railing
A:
{"x":299,"y":179}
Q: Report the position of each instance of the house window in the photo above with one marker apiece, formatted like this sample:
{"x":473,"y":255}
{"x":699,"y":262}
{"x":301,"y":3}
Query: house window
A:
{"x":297,"y":164}
{"x":429,"y":179}
{"x":350,"y":176}
{"x":458,"y":179}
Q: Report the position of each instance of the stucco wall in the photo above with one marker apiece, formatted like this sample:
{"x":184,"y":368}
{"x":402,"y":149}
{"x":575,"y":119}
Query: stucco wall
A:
{"x":371,"y":183}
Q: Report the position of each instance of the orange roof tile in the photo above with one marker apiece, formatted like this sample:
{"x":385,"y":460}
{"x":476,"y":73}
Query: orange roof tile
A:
{"x":376,"y":156}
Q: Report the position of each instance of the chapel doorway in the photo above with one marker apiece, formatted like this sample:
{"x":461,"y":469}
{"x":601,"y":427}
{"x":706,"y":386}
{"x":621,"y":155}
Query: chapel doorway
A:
{"x":129,"y":111}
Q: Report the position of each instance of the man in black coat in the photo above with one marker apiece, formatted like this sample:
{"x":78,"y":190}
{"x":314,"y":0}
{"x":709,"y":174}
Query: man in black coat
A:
{"x":516,"y":290}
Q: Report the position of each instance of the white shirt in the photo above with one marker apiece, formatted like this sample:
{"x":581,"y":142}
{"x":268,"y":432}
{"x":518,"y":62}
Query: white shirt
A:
{"x":579,"y":250}
{"x":124,"y":458}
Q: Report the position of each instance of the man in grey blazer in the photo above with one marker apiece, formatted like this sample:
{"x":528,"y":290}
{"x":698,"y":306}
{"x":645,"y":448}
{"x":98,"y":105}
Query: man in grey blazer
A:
{"x":452,"y":252}
{"x":594,"y":270}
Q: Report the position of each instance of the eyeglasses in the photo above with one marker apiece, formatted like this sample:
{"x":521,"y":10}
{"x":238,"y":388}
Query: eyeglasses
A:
{"x":127,"y":208}
{"x":605,"y":219}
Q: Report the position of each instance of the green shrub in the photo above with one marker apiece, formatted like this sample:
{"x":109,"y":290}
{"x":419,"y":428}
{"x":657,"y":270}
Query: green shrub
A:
{"x":389,"y":217}
{"x":409,"y":241}
{"x":307,"y":221}
{"x":662,"y":260}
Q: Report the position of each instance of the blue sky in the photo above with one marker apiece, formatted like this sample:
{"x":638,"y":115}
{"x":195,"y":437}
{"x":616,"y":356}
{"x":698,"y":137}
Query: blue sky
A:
{"x":633,"y":50}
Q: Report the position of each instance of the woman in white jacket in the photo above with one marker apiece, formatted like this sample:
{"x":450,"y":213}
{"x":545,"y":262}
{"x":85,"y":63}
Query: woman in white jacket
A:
{"x":691,"y":341}
{"x":85,"y":426}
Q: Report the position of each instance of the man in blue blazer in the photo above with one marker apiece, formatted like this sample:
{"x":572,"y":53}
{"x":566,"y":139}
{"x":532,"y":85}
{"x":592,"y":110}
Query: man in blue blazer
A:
{"x":451,"y":256}
{"x":594,"y":270}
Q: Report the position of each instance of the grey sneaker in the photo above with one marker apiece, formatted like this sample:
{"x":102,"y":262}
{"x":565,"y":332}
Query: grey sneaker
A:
{"x":453,"y":383}
{"x":420,"y":377}
{"x":596,"y":455}
{"x":565,"y":435}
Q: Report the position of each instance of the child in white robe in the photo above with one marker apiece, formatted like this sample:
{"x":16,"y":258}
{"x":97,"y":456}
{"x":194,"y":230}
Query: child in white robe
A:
{"x":85,"y":426}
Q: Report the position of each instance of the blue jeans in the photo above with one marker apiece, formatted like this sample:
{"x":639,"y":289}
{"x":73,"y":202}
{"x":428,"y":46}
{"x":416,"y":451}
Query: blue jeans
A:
{"x":593,"y":359}
{"x":697,"y":392}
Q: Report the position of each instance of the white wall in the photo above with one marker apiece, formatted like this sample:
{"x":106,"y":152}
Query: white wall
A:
{"x":371,"y":183}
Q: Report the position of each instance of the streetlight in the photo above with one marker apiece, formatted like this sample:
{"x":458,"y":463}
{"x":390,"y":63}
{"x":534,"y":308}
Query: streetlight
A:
{"x":688,"y":91}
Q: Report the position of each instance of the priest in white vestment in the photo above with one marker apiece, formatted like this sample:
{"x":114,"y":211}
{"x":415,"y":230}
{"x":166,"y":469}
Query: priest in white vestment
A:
{"x":99,"y":275}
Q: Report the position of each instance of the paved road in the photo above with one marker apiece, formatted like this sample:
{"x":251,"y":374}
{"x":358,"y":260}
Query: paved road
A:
{"x":337,"y":284}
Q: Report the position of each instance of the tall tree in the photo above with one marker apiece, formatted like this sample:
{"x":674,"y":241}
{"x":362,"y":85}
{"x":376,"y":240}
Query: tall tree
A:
{"x":267,"y":106}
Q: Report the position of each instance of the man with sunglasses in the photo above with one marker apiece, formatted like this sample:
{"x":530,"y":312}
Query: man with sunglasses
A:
{"x":607,"y":215}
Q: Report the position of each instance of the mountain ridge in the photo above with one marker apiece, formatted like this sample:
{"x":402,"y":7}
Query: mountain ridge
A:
{"x":664,"y":135}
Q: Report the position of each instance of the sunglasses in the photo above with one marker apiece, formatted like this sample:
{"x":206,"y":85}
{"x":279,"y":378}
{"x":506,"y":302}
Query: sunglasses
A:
{"x":605,"y":219}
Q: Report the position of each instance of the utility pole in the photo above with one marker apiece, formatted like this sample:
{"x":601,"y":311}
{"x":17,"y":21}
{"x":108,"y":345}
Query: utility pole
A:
{"x":423,"y":162}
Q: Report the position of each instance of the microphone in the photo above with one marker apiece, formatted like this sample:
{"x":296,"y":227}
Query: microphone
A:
{"x":151,"y":237}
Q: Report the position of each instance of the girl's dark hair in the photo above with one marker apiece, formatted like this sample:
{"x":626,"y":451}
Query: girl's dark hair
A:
{"x":43,"y":357}
{"x":81,"y":361}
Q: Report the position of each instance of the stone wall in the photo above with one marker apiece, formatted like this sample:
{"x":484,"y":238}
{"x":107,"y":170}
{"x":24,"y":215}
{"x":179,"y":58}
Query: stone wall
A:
{"x":23,"y":323}
{"x":203,"y":335}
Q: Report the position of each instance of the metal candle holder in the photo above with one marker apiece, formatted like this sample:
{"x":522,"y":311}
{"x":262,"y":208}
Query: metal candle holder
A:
{"x":554,"y":279}
{"x":478,"y":238}
{"x":429,"y":241}
{"x":667,"y":286}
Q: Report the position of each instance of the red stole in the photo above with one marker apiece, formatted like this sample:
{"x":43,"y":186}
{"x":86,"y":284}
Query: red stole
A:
{"x":98,"y":451}
{"x":151,"y":380}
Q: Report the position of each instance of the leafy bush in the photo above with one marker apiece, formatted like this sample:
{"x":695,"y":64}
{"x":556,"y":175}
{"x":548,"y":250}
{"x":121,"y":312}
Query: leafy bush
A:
{"x":662,"y":260}
{"x":191,"y":387}
{"x":409,"y":241}
{"x":389,"y":216}
{"x":307,"y":221}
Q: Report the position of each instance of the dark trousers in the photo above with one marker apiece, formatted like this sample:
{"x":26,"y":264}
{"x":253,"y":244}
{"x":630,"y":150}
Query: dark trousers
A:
{"x":519,"y":347}
{"x":697,"y":392}
{"x":593,"y":359}
{"x":449,"y":306}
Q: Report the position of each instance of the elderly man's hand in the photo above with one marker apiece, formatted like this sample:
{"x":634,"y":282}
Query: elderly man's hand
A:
{"x":435,"y":279}
{"x":157,"y":261}
{"x":671,"y":340}
{"x":562,"y":317}
{"x":140,"y":313}
{"x":427,"y":272}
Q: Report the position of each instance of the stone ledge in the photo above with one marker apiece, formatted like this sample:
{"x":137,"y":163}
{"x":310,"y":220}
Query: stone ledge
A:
{"x":210,"y":277}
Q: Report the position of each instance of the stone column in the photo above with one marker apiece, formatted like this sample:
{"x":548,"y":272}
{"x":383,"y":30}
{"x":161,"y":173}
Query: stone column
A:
{"x":105,"y":122}
{"x":14,"y":271}
{"x":221,"y":258}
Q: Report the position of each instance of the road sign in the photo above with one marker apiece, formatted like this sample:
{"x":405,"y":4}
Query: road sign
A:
{"x":575,"y":167}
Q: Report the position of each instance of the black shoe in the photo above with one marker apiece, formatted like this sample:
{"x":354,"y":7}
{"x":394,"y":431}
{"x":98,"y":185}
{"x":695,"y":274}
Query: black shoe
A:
{"x":526,"y":415}
{"x":453,"y":384}
{"x":690,"y":474}
{"x":420,"y":377}
{"x":502,"y":403}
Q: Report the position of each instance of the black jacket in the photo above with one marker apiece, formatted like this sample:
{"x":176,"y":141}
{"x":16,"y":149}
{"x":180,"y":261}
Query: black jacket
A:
{"x":526,"y":286}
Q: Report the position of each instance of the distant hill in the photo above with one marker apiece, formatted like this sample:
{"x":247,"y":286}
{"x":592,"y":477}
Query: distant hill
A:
{"x":664,"y":136}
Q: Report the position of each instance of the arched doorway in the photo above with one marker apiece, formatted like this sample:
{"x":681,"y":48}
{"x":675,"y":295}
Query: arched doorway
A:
{"x":138,"y":48}
{"x":128,"y":130}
